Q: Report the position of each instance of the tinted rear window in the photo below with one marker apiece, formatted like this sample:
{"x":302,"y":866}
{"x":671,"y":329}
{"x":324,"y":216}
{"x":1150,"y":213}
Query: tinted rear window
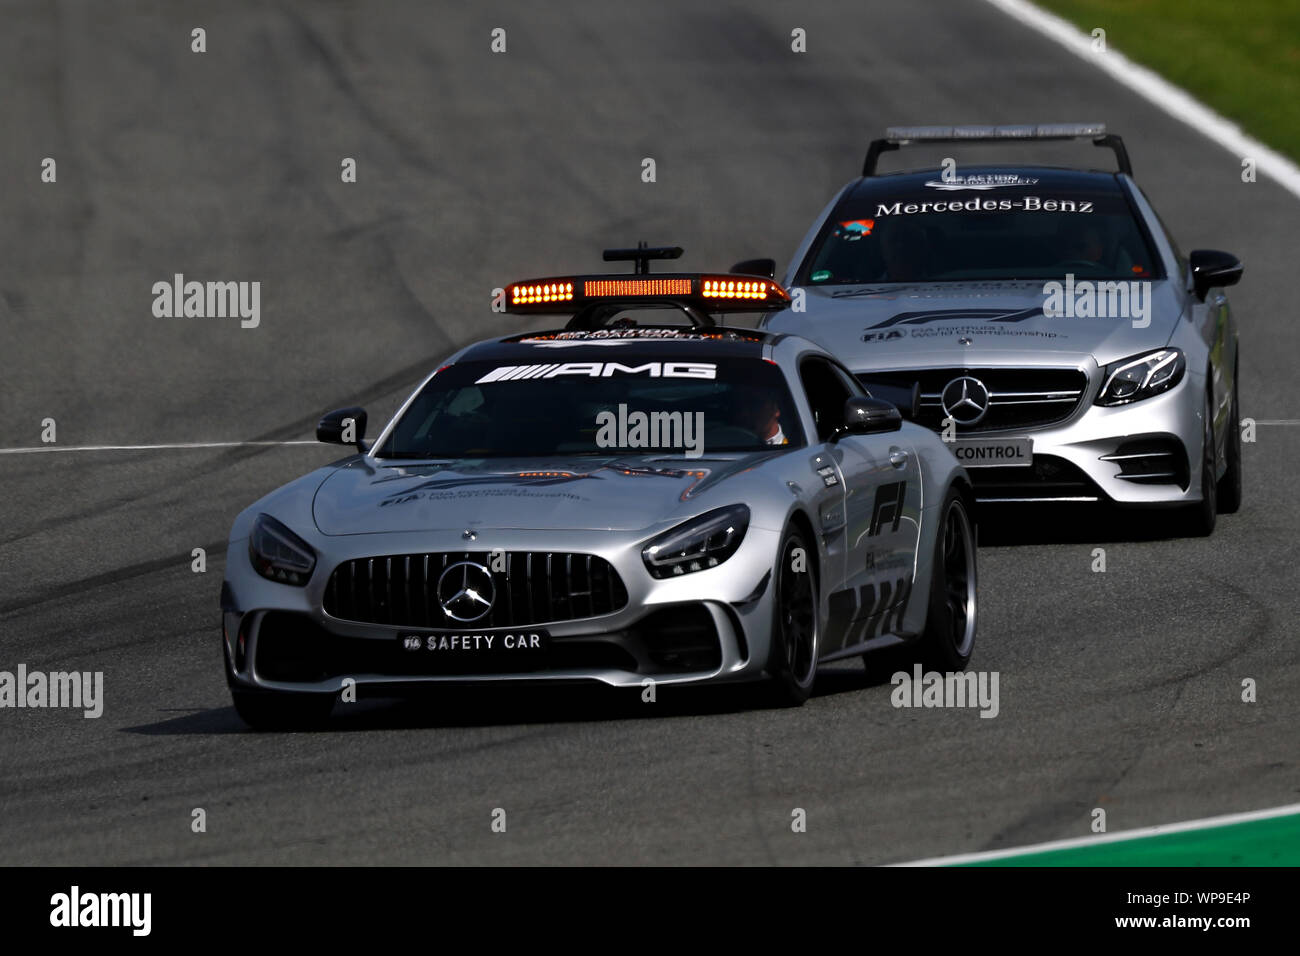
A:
{"x":980,"y":228}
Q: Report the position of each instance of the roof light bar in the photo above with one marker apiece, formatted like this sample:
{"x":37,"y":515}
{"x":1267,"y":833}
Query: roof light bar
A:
{"x":707,"y":291}
{"x":948,"y":134}
{"x":634,"y":288}
{"x":533,"y":293}
{"x":897,"y":136}
{"x":593,"y":301}
{"x":737,"y":288}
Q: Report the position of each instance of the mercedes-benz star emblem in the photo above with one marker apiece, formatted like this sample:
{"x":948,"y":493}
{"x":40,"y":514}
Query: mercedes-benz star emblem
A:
{"x":466,"y":591}
{"x":965,"y":400}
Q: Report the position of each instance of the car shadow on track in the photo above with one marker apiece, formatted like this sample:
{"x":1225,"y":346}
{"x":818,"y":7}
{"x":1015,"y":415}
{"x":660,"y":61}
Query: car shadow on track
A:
{"x":1006,"y":525}
{"x":491,"y":705}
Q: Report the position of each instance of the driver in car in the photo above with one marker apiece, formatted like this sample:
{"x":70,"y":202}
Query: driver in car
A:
{"x":903,"y":253}
{"x":759,"y":413}
{"x":1086,"y":247}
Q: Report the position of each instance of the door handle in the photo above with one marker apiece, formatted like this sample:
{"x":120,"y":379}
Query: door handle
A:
{"x":897,"y":457}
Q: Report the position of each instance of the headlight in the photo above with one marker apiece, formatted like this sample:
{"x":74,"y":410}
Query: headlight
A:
{"x":701,"y":543}
{"x":1141,"y":377}
{"x":279,"y":554}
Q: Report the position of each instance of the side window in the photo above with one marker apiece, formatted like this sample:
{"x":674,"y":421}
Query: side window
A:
{"x":849,"y":380}
{"x":826,"y":393}
{"x":1169,"y":236}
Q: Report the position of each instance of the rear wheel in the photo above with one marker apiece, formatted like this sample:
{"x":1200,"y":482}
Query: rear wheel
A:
{"x":281,"y":710}
{"x":795,"y":626}
{"x":949,"y":635}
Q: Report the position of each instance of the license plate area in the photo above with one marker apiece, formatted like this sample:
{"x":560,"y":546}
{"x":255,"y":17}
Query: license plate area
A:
{"x":994,"y":452}
{"x":488,"y":651}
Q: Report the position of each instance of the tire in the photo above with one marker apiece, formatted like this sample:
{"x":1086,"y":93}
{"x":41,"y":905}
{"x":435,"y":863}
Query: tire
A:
{"x":950,"y":624}
{"x":796,"y":629}
{"x":1229,"y":490}
{"x":1199,"y":519}
{"x":281,"y":710}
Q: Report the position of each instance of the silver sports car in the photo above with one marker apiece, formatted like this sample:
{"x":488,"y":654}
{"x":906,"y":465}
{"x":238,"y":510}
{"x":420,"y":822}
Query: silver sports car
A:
{"x":1063,"y":345}
{"x":615,"y":502}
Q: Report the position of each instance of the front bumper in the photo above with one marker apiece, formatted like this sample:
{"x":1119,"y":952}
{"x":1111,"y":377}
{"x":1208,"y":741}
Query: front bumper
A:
{"x":709,"y":626}
{"x":1144,"y":454}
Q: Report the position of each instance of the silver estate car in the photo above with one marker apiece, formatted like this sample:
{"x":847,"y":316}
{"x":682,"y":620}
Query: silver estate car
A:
{"x":1063,"y":345}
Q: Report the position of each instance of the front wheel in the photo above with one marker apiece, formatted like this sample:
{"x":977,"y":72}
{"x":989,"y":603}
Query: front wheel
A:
{"x":795,"y":632}
{"x":1229,"y":490}
{"x":949,"y":635}
{"x":1200,"y":518}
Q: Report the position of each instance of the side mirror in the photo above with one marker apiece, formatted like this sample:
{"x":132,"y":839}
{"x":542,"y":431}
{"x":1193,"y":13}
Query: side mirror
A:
{"x":1211,"y":268}
{"x":755,"y":267}
{"x":868,"y":416}
{"x":343,"y":426}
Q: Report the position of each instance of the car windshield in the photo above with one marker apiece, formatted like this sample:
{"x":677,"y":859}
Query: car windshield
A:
{"x":665,"y":404}
{"x":954,"y":231}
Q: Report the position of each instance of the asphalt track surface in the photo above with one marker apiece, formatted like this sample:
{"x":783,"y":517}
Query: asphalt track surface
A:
{"x":1118,"y":690}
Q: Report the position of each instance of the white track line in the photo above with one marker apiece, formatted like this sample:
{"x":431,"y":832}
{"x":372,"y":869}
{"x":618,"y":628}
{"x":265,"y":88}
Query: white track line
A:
{"x":41,"y":449}
{"x":1177,"y":102}
{"x":193,"y":444}
{"x":1185,"y":827}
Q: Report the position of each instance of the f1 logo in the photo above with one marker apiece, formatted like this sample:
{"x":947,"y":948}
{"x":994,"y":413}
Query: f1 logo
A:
{"x":888,"y":507}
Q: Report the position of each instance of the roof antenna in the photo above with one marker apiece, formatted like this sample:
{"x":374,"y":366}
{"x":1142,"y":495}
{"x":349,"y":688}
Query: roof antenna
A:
{"x":642,"y":255}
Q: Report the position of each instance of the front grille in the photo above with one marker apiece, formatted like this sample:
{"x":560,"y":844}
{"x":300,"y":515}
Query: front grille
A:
{"x":532,"y":588}
{"x":1019,"y":398}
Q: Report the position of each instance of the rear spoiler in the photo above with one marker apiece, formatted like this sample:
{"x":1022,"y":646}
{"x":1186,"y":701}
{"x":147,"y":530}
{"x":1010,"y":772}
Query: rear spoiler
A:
{"x":899,"y":136}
